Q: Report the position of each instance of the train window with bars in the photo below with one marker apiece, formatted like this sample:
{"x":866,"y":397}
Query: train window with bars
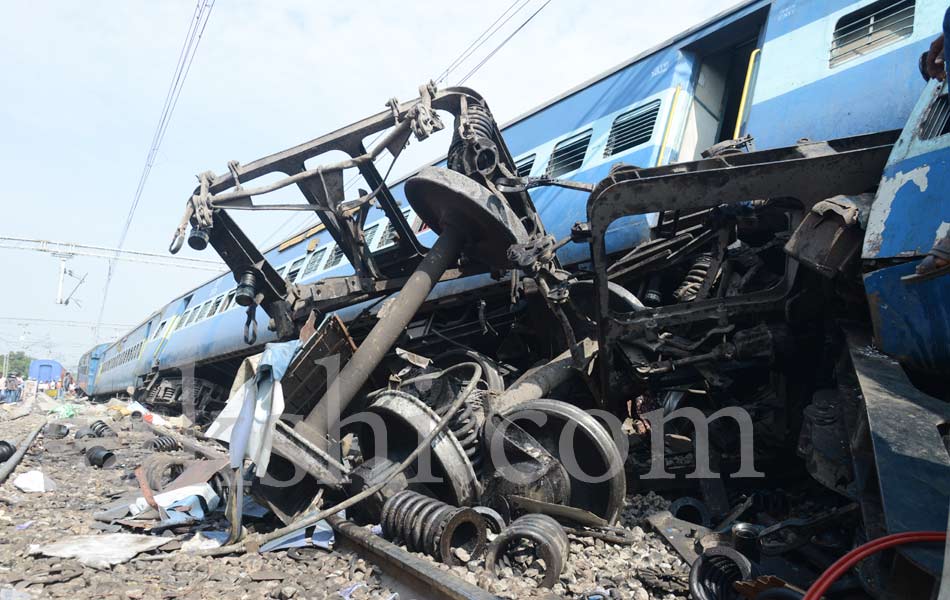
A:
{"x":937,"y":120}
{"x":523,"y":165}
{"x":314,"y":263}
{"x":228,"y":301}
{"x":388,"y":236}
{"x":215,"y":305}
{"x":873,"y":26}
{"x":336,"y":257}
{"x":368,"y":234}
{"x":203,"y":311}
{"x":569,"y":154}
{"x":632,"y":128}
{"x":161,"y":328}
{"x":295,"y":269}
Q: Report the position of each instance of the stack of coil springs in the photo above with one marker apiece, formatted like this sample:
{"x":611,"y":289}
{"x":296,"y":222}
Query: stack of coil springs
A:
{"x":433,"y":527}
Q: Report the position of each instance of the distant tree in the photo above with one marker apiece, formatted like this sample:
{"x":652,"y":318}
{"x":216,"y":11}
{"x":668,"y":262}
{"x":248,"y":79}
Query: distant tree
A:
{"x":18,"y":362}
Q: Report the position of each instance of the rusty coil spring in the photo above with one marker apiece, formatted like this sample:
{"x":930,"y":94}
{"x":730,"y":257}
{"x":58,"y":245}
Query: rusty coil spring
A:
{"x":544,"y":533}
{"x":479,"y":152}
{"x":465,"y":428}
{"x":6,"y":451}
{"x":162,"y":443}
{"x":694,"y":279}
{"x":101,"y":429}
{"x":431,"y":526}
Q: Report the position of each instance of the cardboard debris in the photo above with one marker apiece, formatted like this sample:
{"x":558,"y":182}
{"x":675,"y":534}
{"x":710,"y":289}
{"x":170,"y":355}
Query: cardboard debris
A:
{"x":100,"y":551}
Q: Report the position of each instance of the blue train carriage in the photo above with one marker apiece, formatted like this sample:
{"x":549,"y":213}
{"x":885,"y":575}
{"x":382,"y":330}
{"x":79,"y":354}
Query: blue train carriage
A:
{"x":88,"y":367}
{"x":195,"y":342}
{"x":719,"y":80}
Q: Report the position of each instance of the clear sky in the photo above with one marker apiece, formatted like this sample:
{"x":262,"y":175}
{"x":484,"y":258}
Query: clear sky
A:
{"x":84,"y":84}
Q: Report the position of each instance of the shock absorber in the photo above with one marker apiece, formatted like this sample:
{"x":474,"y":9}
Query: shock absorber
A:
{"x":431,"y":526}
{"x":688,"y":289}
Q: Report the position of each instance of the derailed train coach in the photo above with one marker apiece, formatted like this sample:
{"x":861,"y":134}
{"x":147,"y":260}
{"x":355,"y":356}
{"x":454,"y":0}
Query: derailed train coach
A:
{"x":658,"y":259}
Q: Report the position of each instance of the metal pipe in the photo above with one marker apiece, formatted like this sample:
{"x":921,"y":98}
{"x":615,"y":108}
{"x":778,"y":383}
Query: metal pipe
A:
{"x":537,"y":382}
{"x":14,"y":460}
{"x":384,"y":334}
{"x":428,"y":578}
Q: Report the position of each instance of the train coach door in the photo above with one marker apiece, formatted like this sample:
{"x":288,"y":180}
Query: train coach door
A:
{"x":723,"y":75}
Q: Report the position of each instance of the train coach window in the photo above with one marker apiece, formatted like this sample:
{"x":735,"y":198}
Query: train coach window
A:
{"x":937,"y":119}
{"x":336,"y":257}
{"x":314,"y":263}
{"x":873,"y":26}
{"x":182,"y":319}
{"x":161,"y":328}
{"x":214,"y":306}
{"x":295,"y":269}
{"x":203,"y":311}
{"x":523,"y":165}
{"x":569,"y":154}
{"x":228,"y":301}
{"x":632,"y":128}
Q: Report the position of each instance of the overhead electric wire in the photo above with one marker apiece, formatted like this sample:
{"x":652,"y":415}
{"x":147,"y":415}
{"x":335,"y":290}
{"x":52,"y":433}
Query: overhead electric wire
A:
{"x":502,"y":44}
{"x":186,"y":56}
{"x":464,"y":54}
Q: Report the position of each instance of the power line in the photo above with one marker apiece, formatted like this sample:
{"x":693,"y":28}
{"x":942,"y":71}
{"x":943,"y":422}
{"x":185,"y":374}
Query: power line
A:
{"x":502,"y":44}
{"x":482,"y":38}
{"x":63,"y":322}
{"x":186,"y":56}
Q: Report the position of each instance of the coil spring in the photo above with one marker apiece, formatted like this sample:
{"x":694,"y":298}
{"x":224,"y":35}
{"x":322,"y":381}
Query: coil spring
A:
{"x":163,"y":443}
{"x":6,"y":451}
{"x":483,"y":128}
{"x":716,"y":570}
{"x":549,"y":539}
{"x":101,"y":429}
{"x":688,"y":289}
{"x":431,"y":526}
{"x":465,"y":427}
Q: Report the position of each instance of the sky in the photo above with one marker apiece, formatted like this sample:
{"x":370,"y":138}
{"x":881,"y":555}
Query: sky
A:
{"x":84,"y":84}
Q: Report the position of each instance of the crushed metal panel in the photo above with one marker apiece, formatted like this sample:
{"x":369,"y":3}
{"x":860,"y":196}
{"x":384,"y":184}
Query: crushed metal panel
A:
{"x":911,"y":320}
{"x":911,"y":210}
{"x":329,"y":348}
{"x":911,"y":460}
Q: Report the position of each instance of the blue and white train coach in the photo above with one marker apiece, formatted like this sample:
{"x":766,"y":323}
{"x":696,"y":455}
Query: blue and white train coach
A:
{"x":779,"y":70}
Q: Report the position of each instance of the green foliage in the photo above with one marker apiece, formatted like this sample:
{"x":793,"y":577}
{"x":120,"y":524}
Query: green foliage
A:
{"x":18,"y":362}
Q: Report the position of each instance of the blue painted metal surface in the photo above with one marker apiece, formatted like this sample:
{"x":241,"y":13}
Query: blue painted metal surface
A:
{"x":911,"y":211}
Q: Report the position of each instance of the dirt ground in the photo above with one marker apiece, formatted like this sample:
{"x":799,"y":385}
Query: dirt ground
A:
{"x":645,"y":570}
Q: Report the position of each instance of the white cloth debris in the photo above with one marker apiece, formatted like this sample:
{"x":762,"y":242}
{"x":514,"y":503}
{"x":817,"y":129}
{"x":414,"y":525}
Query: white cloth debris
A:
{"x":248,"y":419}
{"x":100,"y":551}
{"x":34,"y":481}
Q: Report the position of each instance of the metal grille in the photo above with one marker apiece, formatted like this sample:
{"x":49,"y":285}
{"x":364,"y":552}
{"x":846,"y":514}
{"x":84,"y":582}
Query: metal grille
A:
{"x":295,"y":269}
{"x":388,"y":236}
{"x":937,"y":120}
{"x":523,"y":165}
{"x":569,"y":154}
{"x":315,"y":259}
{"x":873,"y":26}
{"x":336,"y":257}
{"x":632,"y":128}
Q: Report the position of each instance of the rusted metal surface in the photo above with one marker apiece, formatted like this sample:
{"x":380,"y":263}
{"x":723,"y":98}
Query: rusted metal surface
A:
{"x":549,"y":540}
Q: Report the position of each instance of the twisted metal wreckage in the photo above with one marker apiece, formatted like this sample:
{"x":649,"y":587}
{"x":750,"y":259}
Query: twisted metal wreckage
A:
{"x":746,"y":297}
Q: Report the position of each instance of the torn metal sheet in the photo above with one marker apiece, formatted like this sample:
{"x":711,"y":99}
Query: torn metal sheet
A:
{"x":100,"y":551}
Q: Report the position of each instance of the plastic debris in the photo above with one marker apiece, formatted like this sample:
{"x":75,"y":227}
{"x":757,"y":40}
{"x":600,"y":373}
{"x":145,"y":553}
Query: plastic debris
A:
{"x":100,"y":551}
{"x":34,"y":482}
